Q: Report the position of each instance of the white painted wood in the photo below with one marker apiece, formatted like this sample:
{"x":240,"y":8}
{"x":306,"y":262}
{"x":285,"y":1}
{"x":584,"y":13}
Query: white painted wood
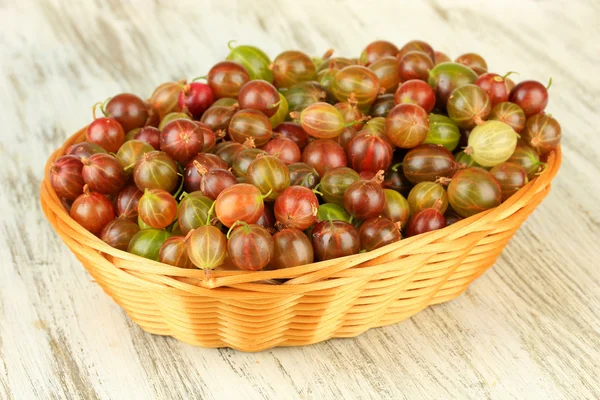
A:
{"x":529,"y":328}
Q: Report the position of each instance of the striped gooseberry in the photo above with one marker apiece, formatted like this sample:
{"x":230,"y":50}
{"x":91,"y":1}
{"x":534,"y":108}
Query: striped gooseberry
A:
{"x":174,"y":251}
{"x":250,"y":246}
{"x":511,"y":178}
{"x":147,"y":243}
{"x":509,"y":113}
{"x":157,"y":208}
{"x":378,"y":232}
{"x":473,"y":190}
{"x":491,"y":143}
{"x":240,"y":202}
{"x":250,"y":123}
{"x":542,"y":132}
{"x":270,"y":175}
{"x":468,"y":106}
{"x":428,"y":162}
{"x":291,"y":248}
{"x":207,"y":248}
{"x":427,"y":195}
{"x":333,"y":239}
{"x":406,"y":125}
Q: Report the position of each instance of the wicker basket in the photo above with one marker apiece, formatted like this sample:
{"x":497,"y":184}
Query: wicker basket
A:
{"x":336,"y":298}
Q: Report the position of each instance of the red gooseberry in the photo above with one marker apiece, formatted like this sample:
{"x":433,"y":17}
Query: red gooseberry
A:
{"x":130,"y":111}
{"x":156,"y":170}
{"x":240,"y":202}
{"x":103,"y":173}
{"x":92,"y":210}
{"x":406,"y":125}
{"x":296,"y":207}
{"x":369,"y":152}
{"x":284,"y":149}
{"x":66,"y":177}
{"x":365,"y":199}
{"x":118,"y":233}
{"x":429,"y":219}
{"x":323,"y":155}
{"x":182,"y":139}
{"x":291,"y":248}
{"x":157,"y":208}
{"x":333,"y":239}
{"x":378,"y":232}
{"x":259,"y":95}
{"x":195,"y":98}
{"x":227,"y":78}
{"x":250,"y":246}
{"x":207,"y":248}
{"x":174,"y":251}
{"x":106,"y":133}
{"x":417,"y":92}
{"x":127,"y":202}
{"x":531,"y":96}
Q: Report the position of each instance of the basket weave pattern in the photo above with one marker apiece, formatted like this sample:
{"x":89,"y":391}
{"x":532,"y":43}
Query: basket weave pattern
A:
{"x":337,"y":298}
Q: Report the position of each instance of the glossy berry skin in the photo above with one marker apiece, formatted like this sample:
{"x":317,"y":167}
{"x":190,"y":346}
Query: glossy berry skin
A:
{"x":267,"y":219}
{"x":335,"y":182}
{"x":324,"y":155}
{"x":369,"y":152}
{"x":127,"y":202}
{"x":174,"y":251}
{"x":346,"y":136}
{"x":147,"y":243}
{"x":509,"y":113}
{"x":191,"y":176}
{"x":377,"y":232}
{"x":451,"y":217}
{"x":491,"y":143}
{"x":227,"y":150}
{"x":358,"y":80}
{"x":250,"y":247}
{"x":473,"y":190}
{"x":182,"y":139}
{"x":382,"y":105}
{"x":531,"y":96}
{"x":103,"y":173}
{"x":291,"y":248}
{"x":441,"y":57}
{"x":195,"y":98}
{"x":259,"y":95}
{"x":377,"y":50}
{"x":207,"y":247}
{"x":397,"y":181}
{"x":291,"y":67}
{"x":333,"y":239}
{"x":302,"y":174}
{"x":386,"y":69}
{"x":322,"y":120}
{"x":364,"y":199}
{"x":304,"y":94}
{"x":227,"y":78}
{"x":194,"y":211}
{"x":156,"y":170}
{"x":442,"y":131}
{"x":406,"y":125}
{"x":208,"y":136}
{"x":129,"y":111}
{"x":511,"y":178}
{"x":284,"y":149}
{"x":396,"y":207}
{"x":446,"y":77}
{"x":150,"y":135}
{"x":215,"y":181}
{"x":468,"y":106}
{"x":417,"y":45}
{"x":243,"y":159}
{"x":157,"y":208}
{"x":164,"y":99}
{"x":427,"y":163}
{"x":542,"y":132}
{"x":106,"y":133}
{"x":351,"y":113}
{"x":250,"y":124}
{"x":84,"y":149}
{"x":66,"y":177}
{"x":427,"y":220}
{"x":526,"y":157}
{"x":427,"y":195}
{"x":414,"y":65}
{"x":417,"y":92}
{"x":473,"y":61}
{"x":92,"y":211}
{"x":131,"y":152}
{"x":254,"y":60}
{"x":270,"y":175}
{"x":296,"y":207}
{"x":292,"y":131}
{"x":217,"y":118}
{"x":494,"y":86}
{"x":332,"y":212}
{"x":240,"y":202}
{"x":118,"y":233}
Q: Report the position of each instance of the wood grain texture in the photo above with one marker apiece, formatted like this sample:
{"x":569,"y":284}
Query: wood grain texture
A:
{"x":529,"y":328}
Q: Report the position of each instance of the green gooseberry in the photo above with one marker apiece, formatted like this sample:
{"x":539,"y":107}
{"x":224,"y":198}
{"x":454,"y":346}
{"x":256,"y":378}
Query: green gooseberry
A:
{"x":253,"y":59}
{"x":443,"y":131}
{"x":281,"y":113}
{"x":147,"y":242}
{"x":332,"y":212}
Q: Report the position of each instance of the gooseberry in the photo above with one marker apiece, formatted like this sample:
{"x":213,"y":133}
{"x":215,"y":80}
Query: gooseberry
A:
{"x":103,"y":173}
{"x":250,"y":246}
{"x":250,"y":124}
{"x":291,"y":67}
{"x":270,"y":175}
{"x":427,"y":220}
{"x":157,"y":208}
{"x":491,"y":143}
{"x":147,"y":243}
{"x":156,"y":170}
{"x":417,"y":92}
{"x":509,"y":113}
{"x":377,"y":232}
{"x":406,"y":125}
{"x":365,"y":199}
{"x":195,"y":98}
{"x":542,"y":132}
{"x":296,"y":207}
{"x":473,"y":190}
{"x":92,"y":210}
{"x":227,"y":78}
{"x":174,"y":251}
{"x":291,"y":248}
{"x":323,"y":155}
{"x":66,"y":177}
{"x":119,"y":232}
{"x":427,"y":195}
{"x":531,"y":96}
{"x":468,"y":106}
{"x":182,"y":139}
{"x":428,"y":162}
{"x":333,"y":239}
{"x":129,"y":111}
{"x":240,"y":202}
{"x":511,"y":178}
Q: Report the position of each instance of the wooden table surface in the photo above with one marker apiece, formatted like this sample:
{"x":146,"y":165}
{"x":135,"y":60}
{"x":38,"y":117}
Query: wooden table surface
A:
{"x":528,"y":328}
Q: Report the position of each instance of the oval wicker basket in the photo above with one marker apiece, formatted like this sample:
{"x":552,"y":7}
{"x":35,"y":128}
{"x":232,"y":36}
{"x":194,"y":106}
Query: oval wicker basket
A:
{"x":337,"y":298}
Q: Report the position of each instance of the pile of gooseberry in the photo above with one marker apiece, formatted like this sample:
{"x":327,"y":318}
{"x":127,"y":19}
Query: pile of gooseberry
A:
{"x":273,"y":164}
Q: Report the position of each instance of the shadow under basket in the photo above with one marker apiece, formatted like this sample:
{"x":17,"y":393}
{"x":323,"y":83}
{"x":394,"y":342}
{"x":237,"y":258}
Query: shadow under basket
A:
{"x":343,"y":297}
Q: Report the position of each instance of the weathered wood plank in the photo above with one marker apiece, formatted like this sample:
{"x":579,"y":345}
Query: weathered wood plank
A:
{"x":528,"y":328}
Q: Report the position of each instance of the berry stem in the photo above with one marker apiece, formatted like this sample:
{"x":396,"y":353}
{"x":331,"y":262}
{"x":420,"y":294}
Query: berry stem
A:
{"x":229,"y":44}
{"x":396,"y":166}
{"x":509,"y":73}
{"x":549,"y":83}
{"x":210,"y":212}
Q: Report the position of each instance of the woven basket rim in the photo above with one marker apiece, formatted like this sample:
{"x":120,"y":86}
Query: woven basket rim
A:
{"x":305,"y":277}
